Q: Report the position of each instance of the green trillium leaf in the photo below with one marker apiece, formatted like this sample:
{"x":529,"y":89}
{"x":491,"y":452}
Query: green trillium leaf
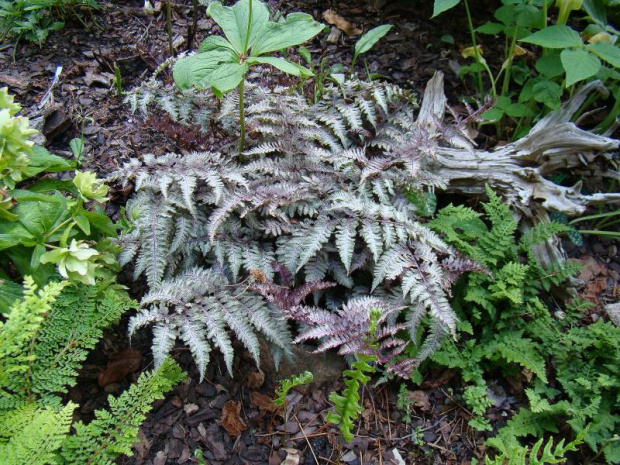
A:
{"x":227,"y":76}
{"x":234,"y":22}
{"x":296,"y":29}
{"x":282,"y":65}
{"x":196,"y":70}
{"x":214,"y":43}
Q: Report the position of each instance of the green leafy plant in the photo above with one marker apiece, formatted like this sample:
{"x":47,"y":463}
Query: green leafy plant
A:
{"x":43,"y":341}
{"x":347,"y":406}
{"x":569,"y":368}
{"x":53,"y":222}
{"x":524,"y":94}
{"x":33,"y":20}
{"x":368,"y":41}
{"x":222,"y":63}
{"x":289,"y":383}
{"x":549,"y":454}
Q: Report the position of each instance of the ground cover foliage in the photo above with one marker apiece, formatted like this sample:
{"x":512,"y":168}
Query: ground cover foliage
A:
{"x":57,"y":296}
{"x":321,"y":217}
{"x":322,"y":228}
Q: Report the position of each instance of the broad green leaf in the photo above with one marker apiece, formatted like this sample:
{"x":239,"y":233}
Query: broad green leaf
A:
{"x":215,"y":42}
{"x":597,"y":10}
{"x":506,"y":14}
{"x":368,"y":40}
{"x":296,"y":29}
{"x":608,"y":52}
{"x":50,"y":184}
{"x":305,"y":54}
{"x":101,"y":223}
{"x":35,"y":260}
{"x":227,"y":76}
{"x":549,"y":93}
{"x":493,"y":115}
{"x":10,"y":240}
{"x":528,"y":17}
{"x":234,"y":22}
{"x":443,"y":5}
{"x":9,"y":292}
{"x":490,"y":28}
{"x":579,"y":65}
{"x":555,"y":37}
{"x":82,"y":223}
{"x":282,"y":65}
{"x":195,"y":70}
{"x":77,"y":147}
{"x":41,"y":160}
{"x":550,"y":65}
{"x":519,"y":110}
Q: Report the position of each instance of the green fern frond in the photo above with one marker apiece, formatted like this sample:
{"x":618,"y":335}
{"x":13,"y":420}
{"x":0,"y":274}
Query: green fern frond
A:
{"x":37,"y":434}
{"x":289,"y":383}
{"x":114,"y":431}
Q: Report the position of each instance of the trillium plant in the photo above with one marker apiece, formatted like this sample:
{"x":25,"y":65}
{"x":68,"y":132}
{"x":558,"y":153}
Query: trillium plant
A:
{"x":222,"y":63}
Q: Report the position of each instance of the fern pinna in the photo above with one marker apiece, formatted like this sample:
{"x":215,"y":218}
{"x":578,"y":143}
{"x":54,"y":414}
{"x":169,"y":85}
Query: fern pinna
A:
{"x":320,"y":197}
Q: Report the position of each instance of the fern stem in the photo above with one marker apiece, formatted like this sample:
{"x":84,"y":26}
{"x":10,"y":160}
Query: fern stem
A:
{"x":241,"y":115}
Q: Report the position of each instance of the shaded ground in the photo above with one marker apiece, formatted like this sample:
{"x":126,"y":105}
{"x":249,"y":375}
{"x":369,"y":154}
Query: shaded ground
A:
{"x":232,"y":419}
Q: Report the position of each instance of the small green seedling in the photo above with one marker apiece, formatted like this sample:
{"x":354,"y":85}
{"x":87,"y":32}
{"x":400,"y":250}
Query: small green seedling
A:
{"x":222,"y":63}
{"x":289,"y":383}
{"x":118,"y":84}
{"x":368,"y":41}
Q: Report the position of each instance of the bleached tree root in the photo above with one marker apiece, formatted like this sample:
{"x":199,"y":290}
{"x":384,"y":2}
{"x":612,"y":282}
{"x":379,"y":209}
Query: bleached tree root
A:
{"x":521,"y":170}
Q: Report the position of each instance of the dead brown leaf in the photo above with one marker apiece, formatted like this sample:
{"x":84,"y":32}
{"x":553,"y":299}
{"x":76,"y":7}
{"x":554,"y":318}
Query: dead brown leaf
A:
{"x":255,"y":379}
{"x":263,"y":402}
{"x":120,"y":365}
{"x":420,"y":399}
{"x":437,"y":380}
{"x":105,"y":79}
{"x":231,"y":419}
{"x":345,"y":26}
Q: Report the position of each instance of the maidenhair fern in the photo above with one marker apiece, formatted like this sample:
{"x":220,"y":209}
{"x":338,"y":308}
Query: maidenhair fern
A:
{"x":320,"y":194}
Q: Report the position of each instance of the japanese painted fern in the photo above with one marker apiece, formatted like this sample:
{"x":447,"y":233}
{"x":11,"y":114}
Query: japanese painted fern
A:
{"x":318,"y":201}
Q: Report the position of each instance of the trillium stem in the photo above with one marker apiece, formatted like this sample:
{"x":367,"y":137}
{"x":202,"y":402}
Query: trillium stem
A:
{"x":241,"y":115}
{"x":242,"y":84}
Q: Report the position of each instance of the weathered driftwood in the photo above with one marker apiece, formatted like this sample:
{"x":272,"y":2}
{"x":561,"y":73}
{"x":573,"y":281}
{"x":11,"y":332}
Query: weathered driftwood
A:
{"x":520,"y":170}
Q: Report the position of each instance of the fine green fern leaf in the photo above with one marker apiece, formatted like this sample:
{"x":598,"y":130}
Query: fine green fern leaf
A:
{"x":347,"y":406}
{"x":38,"y":433}
{"x":515,"y":348}
{"x":519,"y":455}
{"x":67,"y":335}
{"x":18,"y":335}
{"x":114,"y":431}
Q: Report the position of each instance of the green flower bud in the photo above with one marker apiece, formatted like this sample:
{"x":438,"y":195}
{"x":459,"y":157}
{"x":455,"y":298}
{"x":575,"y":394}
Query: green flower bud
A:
{"x":90,"y":187}
{"x":76,"y":262}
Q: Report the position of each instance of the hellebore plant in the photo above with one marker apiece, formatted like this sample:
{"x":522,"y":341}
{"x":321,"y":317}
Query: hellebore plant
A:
{"x":222,"y":63}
